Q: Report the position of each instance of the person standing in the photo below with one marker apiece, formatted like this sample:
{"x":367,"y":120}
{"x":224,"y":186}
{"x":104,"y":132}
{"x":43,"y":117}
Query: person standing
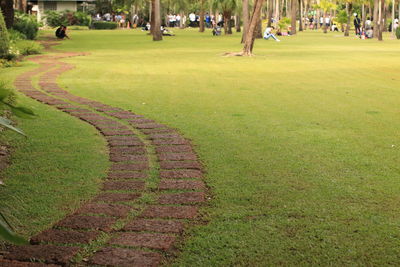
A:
{"x":357,"y":24}
{"x":192,"y":19}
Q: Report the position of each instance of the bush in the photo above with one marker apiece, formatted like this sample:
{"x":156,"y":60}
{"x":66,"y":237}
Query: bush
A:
{"x":27,"y":48}
{"x":284,"y":23}
{"x":16,"y":35}
{"x":55,"y":19}
{"x":398,"y":33}
{"x":67,"y":18}
{"x":104,"y":25}
{"x":82,"y":19}
{"x":4,"y":39}
{"x":27,"y":25}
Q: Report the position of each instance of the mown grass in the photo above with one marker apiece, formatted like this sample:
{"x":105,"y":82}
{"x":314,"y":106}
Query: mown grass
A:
{"x":51,"y":172}
{"x":300,"y":142}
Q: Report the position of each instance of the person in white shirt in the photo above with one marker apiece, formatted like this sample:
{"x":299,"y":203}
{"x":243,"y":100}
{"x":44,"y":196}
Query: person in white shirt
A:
{"x":192,"y":19}
{"x":268,"y":33}
{"x":178,"y":20}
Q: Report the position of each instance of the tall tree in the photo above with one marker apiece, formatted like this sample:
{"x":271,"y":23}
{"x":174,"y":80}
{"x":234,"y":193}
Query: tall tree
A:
{"x":270,"y":11}
{"x":157,"y":35}
{"x":301,"y":16}
{"x":245,"y":14}
{"x":349,"y":8}
{"x":376,"y":18}
{"x":250,"y":35}
{"x":381,"y":24}
{"x":201,"y":24}
{"x":293,"y":10}
{"x":7,"y":7}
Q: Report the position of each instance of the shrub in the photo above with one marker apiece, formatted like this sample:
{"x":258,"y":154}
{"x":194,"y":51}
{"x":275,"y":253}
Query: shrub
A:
{"x":284,"y":23}
{"x":55,"y":19}
{"x":27,"y":25}
{"x":67,"y":18}
{"x":104,"y":25}
{"x":4,"y":39}
{"x":398,"y":33}
{"x":27,"y":48}
{"x":16,"y":35}
{"x":83,"y":19}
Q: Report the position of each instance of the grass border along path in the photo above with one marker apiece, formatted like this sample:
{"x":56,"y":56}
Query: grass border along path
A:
{"x":152,"y":191}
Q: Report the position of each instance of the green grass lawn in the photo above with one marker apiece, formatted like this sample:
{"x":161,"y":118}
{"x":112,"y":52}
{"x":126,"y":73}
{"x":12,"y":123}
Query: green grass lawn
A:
{"x":301,"y":142}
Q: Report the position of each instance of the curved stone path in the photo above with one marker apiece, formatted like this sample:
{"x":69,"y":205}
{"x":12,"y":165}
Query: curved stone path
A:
{"x":151,"y":194}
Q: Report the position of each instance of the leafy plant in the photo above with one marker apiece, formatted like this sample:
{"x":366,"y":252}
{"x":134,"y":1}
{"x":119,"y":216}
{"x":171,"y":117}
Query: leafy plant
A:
{"x":104,"y":25}
{"x":284,"y":23}
{"x":7,"y":234}
{"x":27,"y":47}
{"x":398,"y":33}
{"x":26,"y":24}
{"x":7,"y":99}
{"x":55,"y":19}
{"x":4,"y":38}
{"x":342,"y":17}
{"x":16,"y":35}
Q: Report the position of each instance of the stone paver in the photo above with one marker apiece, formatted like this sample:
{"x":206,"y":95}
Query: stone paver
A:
{"x":181,"y":174}
{"x":117,"y":197}
{"x":174,"y":212}
{"x":181,"y":184}
{"x":87,"y":222}
{"x":147,"y":240}
{"x":63,"y":236}
{"x":124,"y":185}
{"x":43,"y":253}
{"x":180,"y":165}
{"x":162,"y":226}
{"x":127,"y":175}
{"x":182,"y":198}
{"x":115,"y":210}
{"x":125,"y":258}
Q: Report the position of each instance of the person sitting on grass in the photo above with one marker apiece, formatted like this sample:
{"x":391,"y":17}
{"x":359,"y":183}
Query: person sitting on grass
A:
{"x":61,"y":32}
{"x":166,"y":32}
{"x":216,"y":31}
{"x":268,"y":33}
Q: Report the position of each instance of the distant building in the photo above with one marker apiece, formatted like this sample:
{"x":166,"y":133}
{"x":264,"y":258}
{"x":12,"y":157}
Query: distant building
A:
{"x":39,"y":7}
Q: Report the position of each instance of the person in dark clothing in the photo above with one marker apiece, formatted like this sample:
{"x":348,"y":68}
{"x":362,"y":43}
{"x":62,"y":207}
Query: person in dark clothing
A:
{"x":357,"y":24}
{"x":61,"y":32}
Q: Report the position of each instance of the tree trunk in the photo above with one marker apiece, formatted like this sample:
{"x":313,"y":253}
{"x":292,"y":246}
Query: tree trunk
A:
{"x":376,"y":17}
{"x":364,"y":18}
{"x":201,"y":24}
{"x":229,"y":23}
{"x":20,"y":5}
{"x":157,"y":34}
{"x":249,"y":41}
{"x":226,"y":21}
{"x":237,"y":23}
{"x":287,"y":8}
{"x":276,"y":16}
{"x":348,"y":10}
{"x":324,"y":23}
{"x":301,"y":16}
{"x":258,"y":33}
{"x":270,"y":12}
{"x":7,"y":8}
{"x":245,"y":11}
{"x":294,"y":16}
{"x":380,"y":19}
{"x":393,"y":7}
{"x":152,"y":16}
